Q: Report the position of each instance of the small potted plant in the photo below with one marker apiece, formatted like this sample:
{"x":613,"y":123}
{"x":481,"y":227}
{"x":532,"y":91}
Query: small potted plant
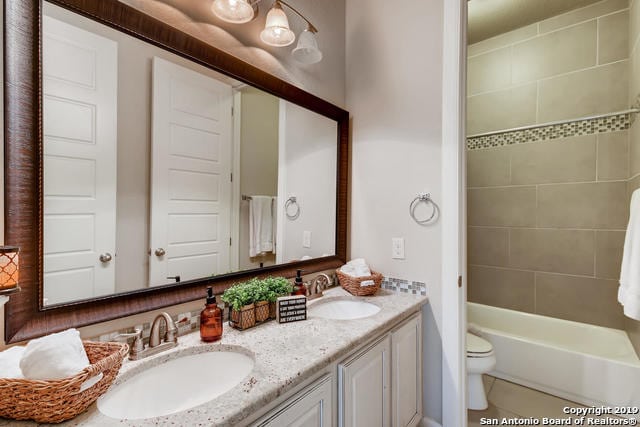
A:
{"x":278,"y":287}
{"x":261,"y":295}
{"x":240,"y":298}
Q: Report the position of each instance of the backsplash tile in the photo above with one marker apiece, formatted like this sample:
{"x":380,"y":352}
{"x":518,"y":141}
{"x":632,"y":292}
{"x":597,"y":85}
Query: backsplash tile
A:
{"x":613,"y":123}
{"x":404,"y":286}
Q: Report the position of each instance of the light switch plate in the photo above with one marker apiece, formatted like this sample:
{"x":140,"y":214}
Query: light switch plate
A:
{"x":397,"y":248}
{"x":306,"y":239}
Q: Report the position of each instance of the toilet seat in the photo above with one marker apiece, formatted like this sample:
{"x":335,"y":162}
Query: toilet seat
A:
{"x":478,"y":347}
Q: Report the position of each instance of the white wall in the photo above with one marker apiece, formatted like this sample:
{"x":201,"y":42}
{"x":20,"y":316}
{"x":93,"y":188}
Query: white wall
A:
{"x":308,"y":169}
{"x":394,"y":78}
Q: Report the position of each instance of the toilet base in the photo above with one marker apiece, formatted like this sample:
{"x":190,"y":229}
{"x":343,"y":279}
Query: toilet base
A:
{"x":476,"y":395}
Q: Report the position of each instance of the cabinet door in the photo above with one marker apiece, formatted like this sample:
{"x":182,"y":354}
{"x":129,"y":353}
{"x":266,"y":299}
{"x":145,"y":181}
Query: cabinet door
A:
{"x":406,"y":373}
{"x":313,"y":408}
{"x":364,"y":395}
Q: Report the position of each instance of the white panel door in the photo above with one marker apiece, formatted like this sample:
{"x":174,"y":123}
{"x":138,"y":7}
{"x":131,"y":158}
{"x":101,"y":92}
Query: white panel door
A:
{"x":191,"y":174}
{"x":313,"y":408}
{"x":406,"y":373}
{"x":364,"y":392}
{"x":80,"y":83}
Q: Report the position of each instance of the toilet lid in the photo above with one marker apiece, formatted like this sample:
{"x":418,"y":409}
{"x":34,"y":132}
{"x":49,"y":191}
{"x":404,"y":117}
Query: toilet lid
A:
{"x":477,"y":345}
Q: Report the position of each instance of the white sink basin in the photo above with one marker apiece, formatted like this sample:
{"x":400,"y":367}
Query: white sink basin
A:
{"x":176,"y":385}
{"x":343,"y":309}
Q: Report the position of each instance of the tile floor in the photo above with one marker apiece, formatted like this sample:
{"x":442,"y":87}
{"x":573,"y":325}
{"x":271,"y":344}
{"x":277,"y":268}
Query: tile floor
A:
{"x":509,"y":400}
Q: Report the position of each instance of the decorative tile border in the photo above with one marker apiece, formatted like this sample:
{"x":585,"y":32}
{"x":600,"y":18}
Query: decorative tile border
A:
{"x":404,"y":286}
{"x":616,"y":122}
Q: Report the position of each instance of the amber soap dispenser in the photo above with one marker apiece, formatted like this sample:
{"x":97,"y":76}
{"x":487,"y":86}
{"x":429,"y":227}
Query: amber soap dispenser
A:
{"x":211,"y":319}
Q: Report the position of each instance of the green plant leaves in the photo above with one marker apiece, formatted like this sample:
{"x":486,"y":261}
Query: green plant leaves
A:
{"x":253,"y":290}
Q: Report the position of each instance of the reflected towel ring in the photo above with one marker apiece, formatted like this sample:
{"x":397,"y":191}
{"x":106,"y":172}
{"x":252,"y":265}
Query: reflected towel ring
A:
{"x":292,"y":201}
{"x":426,"y":198}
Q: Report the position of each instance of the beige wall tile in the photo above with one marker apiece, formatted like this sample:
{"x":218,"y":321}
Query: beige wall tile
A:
{"x":488,"y":246}
{"x":562,"y":160}
{"x":580,"y":299}
{"x":582,"y":14}
{"x":634,"y":76}
{"x":559,"y":251}
{"x":569,"y":49}
{"x":511,"y":289}
{"x":590,"y":205}
{"x":613,"y":156}
{"x":597,"y":90}
{"x":502,"y":207}
{"x":609,"y":246}
{"x":633,"y":330}
{"x":613,"y":37}
{"x":634,"y":24}
{"x":634,"y":148}
{"x":503,"y":40}
{"x":489,"y":71}
{"x":503,"y":109}
{"x":488,"y":167}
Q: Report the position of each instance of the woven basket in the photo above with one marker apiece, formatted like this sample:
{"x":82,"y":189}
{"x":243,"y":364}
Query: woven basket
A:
{"x":353,"y":285}
{"x":54,"y":401}
{"x":262,"y":311}
{"x":244,"y":318}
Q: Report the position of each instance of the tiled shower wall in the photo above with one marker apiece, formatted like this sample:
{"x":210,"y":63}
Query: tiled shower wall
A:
{"x":632,"y":326}
{"x":547,"y":217}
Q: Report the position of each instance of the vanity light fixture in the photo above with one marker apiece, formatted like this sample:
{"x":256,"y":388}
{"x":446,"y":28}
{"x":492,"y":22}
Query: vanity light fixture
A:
{"x":9,"y":267}
{"x":276,"y":32}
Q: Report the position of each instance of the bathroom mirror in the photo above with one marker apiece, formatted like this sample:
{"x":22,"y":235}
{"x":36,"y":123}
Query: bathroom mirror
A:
{"x":55,"y":168}
{"x":160,"y":170}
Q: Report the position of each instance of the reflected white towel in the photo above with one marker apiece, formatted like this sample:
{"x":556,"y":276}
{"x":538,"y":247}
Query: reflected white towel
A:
{"x":10,"y":362}
{"x":261,"y":225}
{"x":629,"y":291}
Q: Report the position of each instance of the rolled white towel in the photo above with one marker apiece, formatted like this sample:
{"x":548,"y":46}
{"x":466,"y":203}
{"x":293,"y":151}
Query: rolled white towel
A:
{"x":10,"y":362}
{"x":356,"y":268}
{"x":56,"y":356}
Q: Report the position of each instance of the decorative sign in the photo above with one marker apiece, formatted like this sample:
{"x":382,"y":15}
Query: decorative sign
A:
{"x":291,"y":309}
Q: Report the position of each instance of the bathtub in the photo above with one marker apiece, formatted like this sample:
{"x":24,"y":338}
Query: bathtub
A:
{"x":588,"y":364}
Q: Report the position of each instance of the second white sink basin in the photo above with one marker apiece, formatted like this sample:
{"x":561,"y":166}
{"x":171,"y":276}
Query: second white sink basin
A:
{"x":343,"y":309}
{"x":176,"y":385}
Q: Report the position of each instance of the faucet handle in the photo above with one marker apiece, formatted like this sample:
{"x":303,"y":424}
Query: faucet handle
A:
{"x":138,"y":343}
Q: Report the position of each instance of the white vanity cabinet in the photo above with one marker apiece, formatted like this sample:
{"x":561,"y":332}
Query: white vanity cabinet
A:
{"x":379,"y":384}
{"x":313,"y":407}
{"x":364,"y":392}
{"x":406,"y":373}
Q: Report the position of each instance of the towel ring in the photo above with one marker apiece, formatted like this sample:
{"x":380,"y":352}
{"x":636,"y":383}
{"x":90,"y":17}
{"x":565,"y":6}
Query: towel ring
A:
{"x":292,"y":201}
{"x":426,"y":198}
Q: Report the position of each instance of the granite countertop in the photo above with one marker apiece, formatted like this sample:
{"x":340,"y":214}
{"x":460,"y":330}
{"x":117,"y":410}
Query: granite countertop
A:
{"x":285,"y":355}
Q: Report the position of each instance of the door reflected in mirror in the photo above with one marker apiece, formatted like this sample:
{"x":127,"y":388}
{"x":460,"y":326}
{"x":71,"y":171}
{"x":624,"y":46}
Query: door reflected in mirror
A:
{"x":158,"y":170}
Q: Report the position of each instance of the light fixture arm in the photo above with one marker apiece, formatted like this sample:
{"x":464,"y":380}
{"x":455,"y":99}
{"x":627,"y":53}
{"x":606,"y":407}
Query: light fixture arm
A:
{"x":309,"y":24}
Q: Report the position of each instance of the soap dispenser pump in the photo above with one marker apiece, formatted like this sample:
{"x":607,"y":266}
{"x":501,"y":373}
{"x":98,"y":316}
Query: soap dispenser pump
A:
{"x":298,"y":286}
{"x":211,"y":319}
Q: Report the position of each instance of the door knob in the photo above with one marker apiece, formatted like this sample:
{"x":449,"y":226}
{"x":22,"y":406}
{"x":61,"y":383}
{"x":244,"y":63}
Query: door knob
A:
{"x":159,"y":252}
{"x":105,"y":257}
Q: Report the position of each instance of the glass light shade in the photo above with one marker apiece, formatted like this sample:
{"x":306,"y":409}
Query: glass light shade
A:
{"x":234,"y":11}
{"x":276,"y":31}
{"x":307,"y":51}
{"x":9,"y":270}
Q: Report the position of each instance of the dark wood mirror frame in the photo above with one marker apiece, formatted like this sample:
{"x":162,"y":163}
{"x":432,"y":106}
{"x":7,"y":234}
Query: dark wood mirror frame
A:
{"x":25,"y":317}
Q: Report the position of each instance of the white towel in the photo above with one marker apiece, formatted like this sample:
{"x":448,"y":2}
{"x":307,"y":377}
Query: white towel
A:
{"x":10,"y":362}
{"x":56,"y":356}
{"x":261,"y":225}
{"x":629,"y":291}
{"x":356,"y":268}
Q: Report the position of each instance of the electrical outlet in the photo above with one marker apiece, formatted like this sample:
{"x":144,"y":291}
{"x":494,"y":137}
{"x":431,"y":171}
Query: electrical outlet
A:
{"x":397,"y":248}
{"x":306,"y":239}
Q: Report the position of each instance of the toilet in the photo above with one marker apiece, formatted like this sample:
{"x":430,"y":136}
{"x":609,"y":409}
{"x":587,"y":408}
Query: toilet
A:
{"x":480,"y":360}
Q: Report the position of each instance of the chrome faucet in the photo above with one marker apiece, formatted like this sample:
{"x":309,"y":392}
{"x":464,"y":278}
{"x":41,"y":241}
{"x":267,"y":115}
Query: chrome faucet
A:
{"x":157,"y":343}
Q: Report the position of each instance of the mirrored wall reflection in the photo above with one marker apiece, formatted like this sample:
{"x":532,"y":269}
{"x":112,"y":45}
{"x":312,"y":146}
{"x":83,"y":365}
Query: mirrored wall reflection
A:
{"x":158,"y":170}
